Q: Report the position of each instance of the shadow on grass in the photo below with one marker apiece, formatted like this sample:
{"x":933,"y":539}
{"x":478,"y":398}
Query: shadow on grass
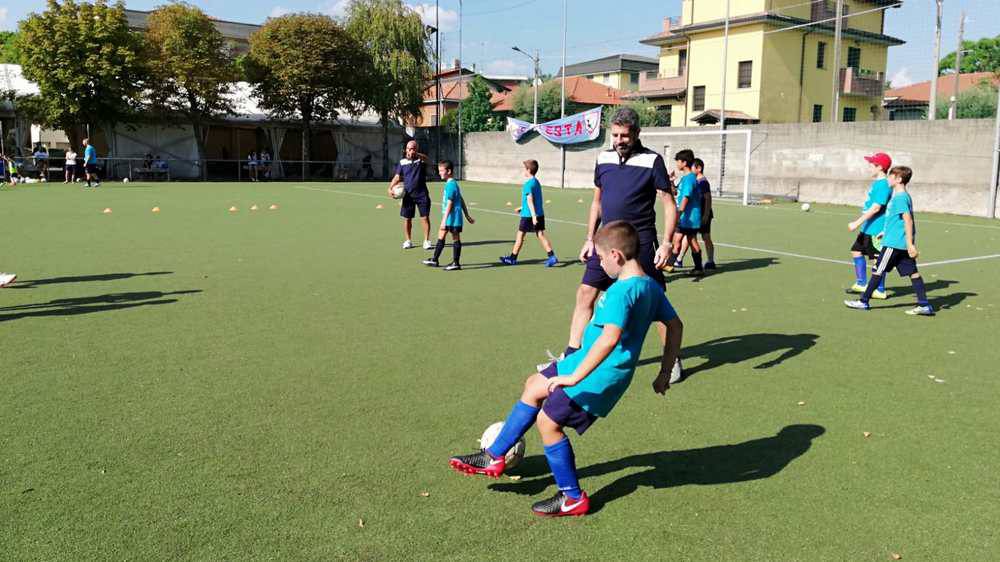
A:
{"x":736,"y":349}
{"x":491,"y":265}
{"x":30,"y":284}
{"x":483,"y":243}
{"x":731,"y":266}
{"x":88,"y":305}
{"x":722,"y":464}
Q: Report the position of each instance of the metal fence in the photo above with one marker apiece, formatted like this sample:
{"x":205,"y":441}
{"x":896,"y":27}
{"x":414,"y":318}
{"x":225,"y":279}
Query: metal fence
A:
{"x":174,"y":169}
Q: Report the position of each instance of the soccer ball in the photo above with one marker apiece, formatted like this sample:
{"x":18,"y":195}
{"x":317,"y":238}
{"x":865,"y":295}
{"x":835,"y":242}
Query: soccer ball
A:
{"x":514,"y":455}
{"x":125,"y":180}
{"x":397,"y":192}
{"x":805,"y":207}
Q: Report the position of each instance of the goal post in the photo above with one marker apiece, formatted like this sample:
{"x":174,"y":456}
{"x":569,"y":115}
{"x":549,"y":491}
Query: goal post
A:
{"x":704,"y":144}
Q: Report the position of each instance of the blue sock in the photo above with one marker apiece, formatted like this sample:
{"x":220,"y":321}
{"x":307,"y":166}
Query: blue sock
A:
{"x":881,"y":284}
{"x":920,"y":290}
{"x":519,"y":421}
{"x":563,"y":466}
{"x":861,"y":270}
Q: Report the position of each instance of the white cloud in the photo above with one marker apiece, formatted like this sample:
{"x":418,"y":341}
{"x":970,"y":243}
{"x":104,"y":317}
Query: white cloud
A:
{"x":4,"y":12}
{"x":505,"y":67}
{"x":901,"y":78}
{"x":335,"y":8}
{"x":448,"y":19}
{"x":279,"y":11}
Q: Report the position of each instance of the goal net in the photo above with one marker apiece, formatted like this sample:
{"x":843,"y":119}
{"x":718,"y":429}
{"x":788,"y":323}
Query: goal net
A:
{"x":726,"y":155}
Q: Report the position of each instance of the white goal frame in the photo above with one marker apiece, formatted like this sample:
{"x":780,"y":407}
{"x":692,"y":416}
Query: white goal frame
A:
{"x":747,"y":149}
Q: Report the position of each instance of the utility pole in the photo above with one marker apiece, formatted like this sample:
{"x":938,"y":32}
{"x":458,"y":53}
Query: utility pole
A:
{"x":535,"y":60}
{"x":837,"y":33}
{"x":437,"y":83}
{"x":992,"y":204}
{"x":932,"y":108}
{"x":722,"y":103}
{"x":461,"y":149}
{"x":953,"y":106}
{"x":562,"y":110}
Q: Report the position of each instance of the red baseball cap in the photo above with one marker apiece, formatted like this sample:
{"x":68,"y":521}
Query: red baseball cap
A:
{"x":881,"y":160}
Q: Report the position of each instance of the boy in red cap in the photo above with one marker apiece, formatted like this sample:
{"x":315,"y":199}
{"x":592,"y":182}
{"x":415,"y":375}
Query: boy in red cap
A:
{"x":871,"y":223}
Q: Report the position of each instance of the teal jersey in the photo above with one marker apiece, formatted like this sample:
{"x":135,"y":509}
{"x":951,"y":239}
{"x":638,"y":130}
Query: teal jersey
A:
{"x":631,"y":304}
{"x":878,"y":194}
{"x":90,"y":155}
{"x":453,"y":194}
{"x":688,"y":187}
{"x":534,"y":189}
{"x":895,"y":229}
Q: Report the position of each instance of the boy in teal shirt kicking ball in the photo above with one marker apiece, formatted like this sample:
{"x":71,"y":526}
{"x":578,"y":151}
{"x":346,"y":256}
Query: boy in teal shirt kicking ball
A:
{"x":532,"y":217}
{"x":453,"y":207}
{"x":871,"y":223}
{"x":576,"y":391}
{"x":899,"y":248}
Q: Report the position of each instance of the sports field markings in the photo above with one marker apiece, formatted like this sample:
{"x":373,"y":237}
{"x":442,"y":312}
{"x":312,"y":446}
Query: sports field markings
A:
{"x":960,"y":260}
{"x":575,"y":223}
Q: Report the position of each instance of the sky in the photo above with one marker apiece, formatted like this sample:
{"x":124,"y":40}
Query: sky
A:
{"x":490,"y":28}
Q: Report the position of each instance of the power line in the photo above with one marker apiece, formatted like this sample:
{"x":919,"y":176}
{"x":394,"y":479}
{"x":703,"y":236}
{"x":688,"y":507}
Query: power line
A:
{"x":501,"y":10}
{"x":828,"y":20}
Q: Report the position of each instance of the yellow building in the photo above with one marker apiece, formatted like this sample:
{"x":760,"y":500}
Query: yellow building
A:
{"x":780,"y":62}
{"x":618,"y":71}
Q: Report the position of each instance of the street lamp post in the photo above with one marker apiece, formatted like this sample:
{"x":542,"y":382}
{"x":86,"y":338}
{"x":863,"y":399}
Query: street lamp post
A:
{"x":535,"y":60}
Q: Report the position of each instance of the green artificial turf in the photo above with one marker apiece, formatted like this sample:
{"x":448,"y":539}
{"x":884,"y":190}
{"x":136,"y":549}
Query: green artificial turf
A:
{"x":288,"y":384}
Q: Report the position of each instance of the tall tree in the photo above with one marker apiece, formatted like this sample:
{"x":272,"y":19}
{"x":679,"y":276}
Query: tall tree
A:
{"x":191,"y":70}
{"x":8,"y":48}
{"x":398,"y":48}
{"x":477,"y":110}
{"x":86,"y":64}
{"x":304,"y":65}
{"x":977,"y":56}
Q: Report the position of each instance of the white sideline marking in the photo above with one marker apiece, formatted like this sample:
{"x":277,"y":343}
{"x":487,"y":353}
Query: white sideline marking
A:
{"x":575,"y":223}
{"x":960,"y":260}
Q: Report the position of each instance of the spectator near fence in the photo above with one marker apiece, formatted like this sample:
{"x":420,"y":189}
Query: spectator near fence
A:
{"x":70,"y":167}
{"x":252,"y":165}
{"x":42,"y":161}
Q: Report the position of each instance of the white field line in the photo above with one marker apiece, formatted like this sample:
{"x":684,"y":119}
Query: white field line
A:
{"x":548,"y":219}
{"x":960,"y":260}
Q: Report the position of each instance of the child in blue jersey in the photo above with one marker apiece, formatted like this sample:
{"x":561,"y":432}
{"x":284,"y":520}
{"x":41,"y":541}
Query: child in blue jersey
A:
{"x":899,"y":249}
{"x":689,"y":202}
{"x":452,"y":209}
{"x":532,"y":217}
{"x":707,"y":214}
{"x":90,"y":164}
{"x":576,"y":391}
{"x":871,"y":222}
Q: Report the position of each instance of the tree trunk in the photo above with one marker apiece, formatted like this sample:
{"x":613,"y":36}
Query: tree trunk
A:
{"x":200,"y":138}
{"x":75,"y":137}
{"x":306,"y":146}
{"x":385,"y":145}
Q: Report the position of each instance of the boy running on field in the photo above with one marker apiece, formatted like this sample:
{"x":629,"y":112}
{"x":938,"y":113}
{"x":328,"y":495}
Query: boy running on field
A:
{"x":899,"y":248}
{"x":453,"y":206}
{"x":576,"y":391}
{"x":532,"y":217}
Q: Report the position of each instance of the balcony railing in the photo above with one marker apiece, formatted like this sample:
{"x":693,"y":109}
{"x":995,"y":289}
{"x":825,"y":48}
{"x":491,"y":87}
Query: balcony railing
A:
{"x":651,"y":81}
{"x":866,"y":83}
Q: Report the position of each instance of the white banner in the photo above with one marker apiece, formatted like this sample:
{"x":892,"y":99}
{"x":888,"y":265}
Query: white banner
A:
{"x":581,"y":127}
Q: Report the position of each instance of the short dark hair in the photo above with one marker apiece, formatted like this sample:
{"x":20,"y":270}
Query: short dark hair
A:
{"x":904,"y":173}
{"x":698,"y":163}
{"x":621,"y":236}
{"x":626,"y":117}
{"x":531,"y":166}
{"x":447,"y":165}
{"x":686,"y":156}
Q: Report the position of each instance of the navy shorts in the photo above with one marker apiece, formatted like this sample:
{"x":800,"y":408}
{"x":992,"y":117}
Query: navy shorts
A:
{"x":453,"y":229}
{"x":895,"y":258}
{"x":414,"y":201}
{"x":688,"y":231}
{"x":90,"y":168}
{"x":560,"y":408}
{"x":594,"y":275}
{"x":527,"y":226}
{"x":863,"y":243}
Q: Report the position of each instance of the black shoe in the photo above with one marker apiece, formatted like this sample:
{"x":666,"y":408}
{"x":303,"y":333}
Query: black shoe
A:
{"x":710,"y":265}
{"x":561,"y":505}
{"x":453,"y":267}
{"x":478,"y":463}
{"x":430,"y":262}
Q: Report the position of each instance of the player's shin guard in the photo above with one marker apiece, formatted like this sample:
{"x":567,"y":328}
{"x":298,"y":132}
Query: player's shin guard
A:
{"x":861,"y":270}
{"x":563,"y":466}
{"x":438,"y":249}
{"x":519,"y":421}
{"x":919,"y":290}
{"x":456,"y":248}
{"x":696,"y":256}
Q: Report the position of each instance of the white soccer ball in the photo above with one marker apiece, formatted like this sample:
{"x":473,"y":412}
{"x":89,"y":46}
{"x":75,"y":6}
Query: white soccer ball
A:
{"x":398,"y":192}
{"x":514,"y":455}
{"x":125,"y":180}
{"x":805,"y":207}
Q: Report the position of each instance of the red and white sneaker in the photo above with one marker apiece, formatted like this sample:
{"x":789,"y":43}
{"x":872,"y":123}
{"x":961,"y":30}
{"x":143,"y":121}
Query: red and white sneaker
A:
{"x":479,"y":463}
{"x":561,"y":505}
{"x":7,"y":279}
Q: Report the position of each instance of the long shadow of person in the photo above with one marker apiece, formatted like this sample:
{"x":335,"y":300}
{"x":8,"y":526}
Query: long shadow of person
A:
{"x":721,"y":464}
{"x":942,"y":302}
{"x":736,"y":349}
{"x":87,"y":305}
{"x":83,"y":279}
{"x":730,"y":266}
